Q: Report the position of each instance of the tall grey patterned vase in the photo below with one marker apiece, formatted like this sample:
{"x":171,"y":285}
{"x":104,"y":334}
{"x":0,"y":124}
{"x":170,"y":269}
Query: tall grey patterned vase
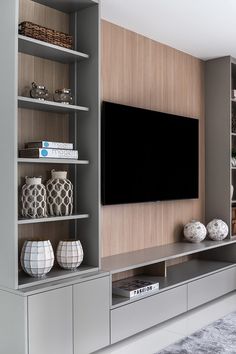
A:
{"x":33,"y":198}
{"x":59,"y":194}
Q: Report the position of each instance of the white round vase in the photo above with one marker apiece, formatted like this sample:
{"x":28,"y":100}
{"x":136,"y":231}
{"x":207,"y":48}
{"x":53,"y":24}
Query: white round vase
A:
{"x":59,"y":194}
{"x":195,"y":231}
{"x":33,"y":198}
{"x":37,"y":258}
{"x":70,"y":254}
{"x":217,"y":230}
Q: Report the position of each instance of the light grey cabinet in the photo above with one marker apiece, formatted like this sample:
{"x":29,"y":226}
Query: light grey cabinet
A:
{"x":50,"y":322}
{"x":211,"y":287}
{"x":91,"y":315}
{"x":138,"y":316}
{"x":13,"y":325}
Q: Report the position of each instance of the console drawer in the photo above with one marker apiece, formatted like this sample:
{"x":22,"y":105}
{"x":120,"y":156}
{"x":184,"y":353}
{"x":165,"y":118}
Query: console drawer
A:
{"x":210,"y":287}
{"x":147,"y":312}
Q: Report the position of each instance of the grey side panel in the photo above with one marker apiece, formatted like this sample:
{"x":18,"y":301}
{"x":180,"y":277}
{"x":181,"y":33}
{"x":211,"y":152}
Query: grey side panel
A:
{"x":8,"y":138}
{"x":131,"y":319}
{"x":13,"y":332}
{"x":218,"y":138}
{"x":88,"y":132}
{"x":91,"y":315}
{"x":50,"y":322}
{"x":211,"y":287}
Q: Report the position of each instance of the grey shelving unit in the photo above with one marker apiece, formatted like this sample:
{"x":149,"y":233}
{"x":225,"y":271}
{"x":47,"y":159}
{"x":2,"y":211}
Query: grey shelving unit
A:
{"x":220,"y":79}
{"x":83,"y":121}
{"x":44,"y":315}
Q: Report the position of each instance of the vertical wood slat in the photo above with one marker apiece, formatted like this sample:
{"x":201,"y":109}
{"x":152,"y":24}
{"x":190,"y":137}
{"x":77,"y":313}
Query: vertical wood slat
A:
{"x":140,"y":72}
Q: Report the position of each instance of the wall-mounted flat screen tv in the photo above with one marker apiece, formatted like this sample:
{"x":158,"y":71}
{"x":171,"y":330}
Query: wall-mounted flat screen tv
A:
{"x":147,"y":156}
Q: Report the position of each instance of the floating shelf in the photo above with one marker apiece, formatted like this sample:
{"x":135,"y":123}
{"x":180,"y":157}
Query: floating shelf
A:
{"x":177,"y":275}
{"x":52,"y":161}
{"x":49,"y":51}
{"x":48,"y":106}
{"x":26,"y":281}
{"x":130,"y":260}
{"x":22,"y":221}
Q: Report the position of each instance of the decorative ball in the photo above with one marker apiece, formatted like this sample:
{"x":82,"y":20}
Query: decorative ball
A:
{"x":217,"y":230}
{"x":195,"y":231}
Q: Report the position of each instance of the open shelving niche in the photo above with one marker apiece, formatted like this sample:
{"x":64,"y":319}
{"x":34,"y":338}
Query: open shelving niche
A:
{"x":203,"y":261}
{"x":78,"y":69}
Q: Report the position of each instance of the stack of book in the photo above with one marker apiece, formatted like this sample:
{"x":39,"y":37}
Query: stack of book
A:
{"x":135,"y":286}
{"x":50,"y":150}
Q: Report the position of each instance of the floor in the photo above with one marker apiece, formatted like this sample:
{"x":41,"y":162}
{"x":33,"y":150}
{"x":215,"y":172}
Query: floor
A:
{"x":158,"y":337}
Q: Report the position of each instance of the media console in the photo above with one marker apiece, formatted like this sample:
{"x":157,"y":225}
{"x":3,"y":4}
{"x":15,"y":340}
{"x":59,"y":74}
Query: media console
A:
{"x":209,"y":272}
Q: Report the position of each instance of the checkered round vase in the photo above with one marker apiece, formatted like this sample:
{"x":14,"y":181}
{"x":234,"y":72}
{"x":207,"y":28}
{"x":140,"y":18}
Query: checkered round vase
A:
{"x":70,"y":254}
{"x":33,"y":198}
{"x":59,"y":194}
{"x":37,"y":258}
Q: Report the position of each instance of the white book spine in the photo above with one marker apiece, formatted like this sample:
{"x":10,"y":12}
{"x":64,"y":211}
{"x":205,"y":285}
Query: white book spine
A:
{"x":50,"y":145}
{"x":58,"y":154}
{"x":54,"y":145}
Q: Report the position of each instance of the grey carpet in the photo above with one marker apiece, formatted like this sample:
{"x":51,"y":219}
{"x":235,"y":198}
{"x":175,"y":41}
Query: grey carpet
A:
{"x":216,"y":338}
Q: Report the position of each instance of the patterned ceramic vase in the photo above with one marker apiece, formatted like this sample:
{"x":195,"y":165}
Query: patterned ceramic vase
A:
{"x":59,"y":194}
{"x":33,"y":198}
{"x":195,"y":231}
{"x":217,"y":230}
{"x":70,"y":254}
{"x":37,"y":258}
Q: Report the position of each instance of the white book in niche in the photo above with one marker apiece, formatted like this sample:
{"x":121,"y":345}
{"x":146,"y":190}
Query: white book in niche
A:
{"x":135,"y":286}
{"x":49,"y":145}
{"x":49,"y":153}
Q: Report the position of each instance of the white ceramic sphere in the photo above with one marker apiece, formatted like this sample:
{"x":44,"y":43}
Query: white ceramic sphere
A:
{"x":37,"y":258}
{"x":70,"y":254}
{"x":217,"y":230}
{"x":195,"y":231}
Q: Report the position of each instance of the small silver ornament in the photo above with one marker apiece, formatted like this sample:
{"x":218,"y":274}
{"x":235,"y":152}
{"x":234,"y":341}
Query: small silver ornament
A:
{"x":195,"y":231}
{"x":217,"y":230}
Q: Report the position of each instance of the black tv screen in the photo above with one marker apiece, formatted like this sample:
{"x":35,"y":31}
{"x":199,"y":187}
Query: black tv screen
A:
{"x":147,"y":155}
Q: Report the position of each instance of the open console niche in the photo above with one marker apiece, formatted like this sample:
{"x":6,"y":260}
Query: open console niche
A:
{"x":32,"y":120}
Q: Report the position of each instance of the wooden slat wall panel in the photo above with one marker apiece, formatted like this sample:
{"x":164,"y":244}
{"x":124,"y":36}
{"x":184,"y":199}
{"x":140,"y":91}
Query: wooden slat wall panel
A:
{"x":141,"y":72}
